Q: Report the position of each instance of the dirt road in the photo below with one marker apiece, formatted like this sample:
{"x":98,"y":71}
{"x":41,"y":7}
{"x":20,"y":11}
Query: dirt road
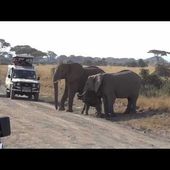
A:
{"x":39,"y":125}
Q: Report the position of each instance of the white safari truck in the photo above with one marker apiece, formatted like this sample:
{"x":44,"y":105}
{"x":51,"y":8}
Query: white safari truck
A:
{"x":21,"y":78}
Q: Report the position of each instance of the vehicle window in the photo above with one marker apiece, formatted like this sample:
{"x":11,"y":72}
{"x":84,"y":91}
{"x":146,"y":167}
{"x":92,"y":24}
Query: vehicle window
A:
{"x":24,"y":74}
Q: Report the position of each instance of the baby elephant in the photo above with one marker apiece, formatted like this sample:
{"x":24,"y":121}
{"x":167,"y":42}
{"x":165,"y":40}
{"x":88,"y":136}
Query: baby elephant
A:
{"x":90,"y":98}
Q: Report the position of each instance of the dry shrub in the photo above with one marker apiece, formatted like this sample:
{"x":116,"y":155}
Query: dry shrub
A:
{"x":162,"y":70}
{"x":3,"y":72}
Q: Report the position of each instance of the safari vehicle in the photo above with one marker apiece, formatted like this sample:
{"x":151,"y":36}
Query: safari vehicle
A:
{"x":21,"y":78}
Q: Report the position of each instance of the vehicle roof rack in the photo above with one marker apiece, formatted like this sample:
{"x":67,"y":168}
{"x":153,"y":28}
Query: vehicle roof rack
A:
{"x":23,"y":60}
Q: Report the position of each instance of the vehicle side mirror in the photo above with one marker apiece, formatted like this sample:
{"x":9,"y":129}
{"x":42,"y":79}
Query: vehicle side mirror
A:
{"x":9,"y":76}
{"x":5,"y":129}
{"x":38,"y":78}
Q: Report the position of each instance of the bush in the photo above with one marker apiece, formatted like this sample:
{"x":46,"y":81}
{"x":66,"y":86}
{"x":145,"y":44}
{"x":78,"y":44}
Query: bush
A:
{"x":162,"y":70}
{"x":142,"y":63}
{"x":149,"y":91}
{"x":165,"y":90}
{"x":151,"y":84}
{"x":132,"y":64}
{"x":144,"y":73}
{"x":150,"y":79}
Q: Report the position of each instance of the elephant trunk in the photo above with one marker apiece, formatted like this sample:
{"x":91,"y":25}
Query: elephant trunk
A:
{"x":56,"y":94}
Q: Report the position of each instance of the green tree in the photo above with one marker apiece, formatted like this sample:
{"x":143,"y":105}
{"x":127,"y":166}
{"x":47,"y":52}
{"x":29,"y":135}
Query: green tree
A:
{"x":141,"y":63}
{"x":104,"y":62}
{"x":88,"y":62}
{"x":51,"y":56}
{"x":158,"y":52}
{"x":132,"y":64}
{"x":26,"y":49}
{"x":4,"y":43}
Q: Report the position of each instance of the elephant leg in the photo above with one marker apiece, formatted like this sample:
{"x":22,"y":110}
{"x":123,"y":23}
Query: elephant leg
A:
{"x":98,"y":109}
{"x":111,"y":101}
{"x":83,"y":109}
{"x":64,"y":97}
{"x":128,"y":106}
{"x":71,"y":93}
{"x":133,"y":105}
{"x":105,"y":105}
{"x":87,"y":109}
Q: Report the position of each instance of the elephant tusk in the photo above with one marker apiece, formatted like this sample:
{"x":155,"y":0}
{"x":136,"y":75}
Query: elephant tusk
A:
{"x":80,"y":95}
{"x":55,"y":82}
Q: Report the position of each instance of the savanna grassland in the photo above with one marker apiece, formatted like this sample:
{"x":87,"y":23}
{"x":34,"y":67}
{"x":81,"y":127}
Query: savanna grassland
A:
{"x":153,"y":112}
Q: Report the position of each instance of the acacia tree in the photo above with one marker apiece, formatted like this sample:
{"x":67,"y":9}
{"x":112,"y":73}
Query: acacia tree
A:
{"x":158,"y":52}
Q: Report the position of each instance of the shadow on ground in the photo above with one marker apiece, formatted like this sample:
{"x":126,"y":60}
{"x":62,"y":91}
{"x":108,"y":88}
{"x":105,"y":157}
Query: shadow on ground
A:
{"x":125,"y":117}
{"x":19,"y":98}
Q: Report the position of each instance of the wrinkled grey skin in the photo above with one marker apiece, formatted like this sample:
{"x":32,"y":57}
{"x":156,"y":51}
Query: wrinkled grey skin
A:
{"x":75,"y":77}
{"x":124,"y":84}
{"x":90,"y":98}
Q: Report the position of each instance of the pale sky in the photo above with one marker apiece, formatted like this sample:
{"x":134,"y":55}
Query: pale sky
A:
{"x":95,"y":39}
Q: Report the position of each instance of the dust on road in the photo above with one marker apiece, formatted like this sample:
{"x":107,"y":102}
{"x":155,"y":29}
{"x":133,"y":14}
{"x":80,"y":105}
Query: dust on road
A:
{"x":39,"y":125}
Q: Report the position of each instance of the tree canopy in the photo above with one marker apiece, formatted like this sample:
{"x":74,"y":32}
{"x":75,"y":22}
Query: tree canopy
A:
{"x":4,"y":43}
{"x":142,"y":63}
{"x":159,"y":52}
{"x":26,"y":49}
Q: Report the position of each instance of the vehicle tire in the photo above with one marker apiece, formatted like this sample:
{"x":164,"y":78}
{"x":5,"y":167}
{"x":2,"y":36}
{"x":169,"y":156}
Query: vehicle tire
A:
{"x":7,"y":94}
{"x":12,"y":94}
{"x":36,"y":96}
{"x":30,"y":96}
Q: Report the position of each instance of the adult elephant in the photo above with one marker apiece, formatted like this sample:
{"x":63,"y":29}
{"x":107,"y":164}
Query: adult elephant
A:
{"x":124,"y":84}
{"x":75,"y":78}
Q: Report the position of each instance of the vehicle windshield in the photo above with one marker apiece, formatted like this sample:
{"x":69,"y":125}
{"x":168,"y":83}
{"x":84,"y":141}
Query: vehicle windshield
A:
{"x":26,"y":74}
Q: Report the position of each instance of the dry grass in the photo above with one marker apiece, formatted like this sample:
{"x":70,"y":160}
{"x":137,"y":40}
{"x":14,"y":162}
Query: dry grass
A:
{"x":45,"y":79}
{"x":161,"y":103}
{"x":3,"y":72}
{"x":113,"y":69}
{"x":154,"y":103}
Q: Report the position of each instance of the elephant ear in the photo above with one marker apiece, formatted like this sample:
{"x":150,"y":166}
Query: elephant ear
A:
{"x":75,"y":72}
{"x":97,"y":82}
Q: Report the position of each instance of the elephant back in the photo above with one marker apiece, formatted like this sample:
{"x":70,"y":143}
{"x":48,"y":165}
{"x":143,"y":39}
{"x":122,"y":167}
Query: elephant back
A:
{"x":88,"y":71}
{"x":92,"y":70}
{"x":127,"y":76}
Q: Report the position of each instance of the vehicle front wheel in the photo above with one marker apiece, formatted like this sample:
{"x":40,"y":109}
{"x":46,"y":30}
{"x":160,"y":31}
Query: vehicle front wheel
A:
{"x":7,"y":94}
{"x":36,"y":96}
{"x":30,"y":97}
{"x":12,"y":94}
